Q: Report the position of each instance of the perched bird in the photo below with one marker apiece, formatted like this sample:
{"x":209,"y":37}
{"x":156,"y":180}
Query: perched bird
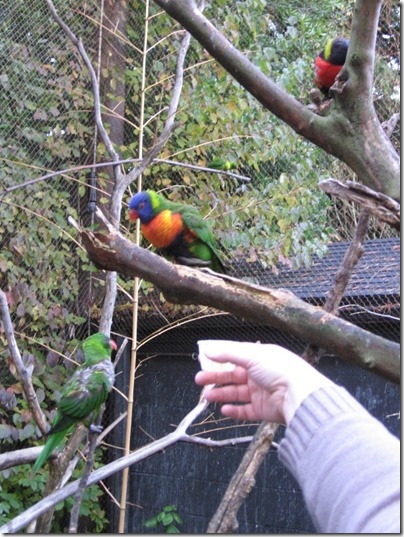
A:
{"x":329,"y":63}
{"x":84,"y":392}
{"x":219,"y":163}
{"x":177,"y":230}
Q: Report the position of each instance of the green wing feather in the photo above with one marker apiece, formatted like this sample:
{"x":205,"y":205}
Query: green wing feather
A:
{"x":83,"y":393}
{"x":202,"y":230}
{"x":209,"y":250}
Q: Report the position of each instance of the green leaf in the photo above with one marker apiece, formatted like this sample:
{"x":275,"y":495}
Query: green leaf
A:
{"x":151,"y":522}
{"x":167,"y":519}
{"x":172,"y":529}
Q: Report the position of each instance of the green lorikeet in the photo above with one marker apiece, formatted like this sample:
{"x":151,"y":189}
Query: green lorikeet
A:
{"x":84,"y":392}
{"x":177,"y":230}
{"x":221,"y":164}
{"x":329,"y":63}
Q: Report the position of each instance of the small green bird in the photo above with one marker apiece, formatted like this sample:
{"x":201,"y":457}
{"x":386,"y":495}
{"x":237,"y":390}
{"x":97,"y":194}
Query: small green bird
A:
{"x":84,"y":392}
{"x":177,"y":230}
{"x":219,"y":163}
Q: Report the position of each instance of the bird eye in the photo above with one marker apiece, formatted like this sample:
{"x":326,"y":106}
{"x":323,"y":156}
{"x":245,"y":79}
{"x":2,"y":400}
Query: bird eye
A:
{"x":141,"y":204}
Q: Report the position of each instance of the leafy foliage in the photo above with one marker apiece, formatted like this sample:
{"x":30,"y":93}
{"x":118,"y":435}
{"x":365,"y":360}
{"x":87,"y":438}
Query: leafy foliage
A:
{"x":168,"y":518}
{"x":19,"y":490}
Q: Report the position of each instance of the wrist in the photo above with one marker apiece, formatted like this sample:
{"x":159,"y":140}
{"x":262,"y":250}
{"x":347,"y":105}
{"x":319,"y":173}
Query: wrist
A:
{"x":298,"y":391}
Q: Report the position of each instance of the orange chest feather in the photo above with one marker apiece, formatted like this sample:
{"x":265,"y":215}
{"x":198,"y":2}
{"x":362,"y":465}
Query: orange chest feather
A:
{"x":163,"y":229}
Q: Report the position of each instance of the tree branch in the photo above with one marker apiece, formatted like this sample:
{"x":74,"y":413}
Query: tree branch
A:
{"x":22,"y":374}
{"x":49,"y":502}
{"x":381,"y":206}
{"x":360,"y":60}
{"x":342,"y":278}
{"x":273,"y":307}
{"x":93,"y":75}
{"x":350,"y":131}
{"x":225,"y":518}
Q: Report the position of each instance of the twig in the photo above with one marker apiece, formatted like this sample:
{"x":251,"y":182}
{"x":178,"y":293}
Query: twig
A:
{"x":155,"y":161}
{"x":375,"y":313}
{"x":389,"y":125}
{"x":381,"y":206}
{"x":49,"y":502}
{"x":342,"y":278}
{"x":74,"y":518}
{"x":22,"y":374}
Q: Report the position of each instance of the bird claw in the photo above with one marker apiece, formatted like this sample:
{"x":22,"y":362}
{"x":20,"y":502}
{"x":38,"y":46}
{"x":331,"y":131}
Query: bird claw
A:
{"x":192,"y":262}
{"x":96,"y":428}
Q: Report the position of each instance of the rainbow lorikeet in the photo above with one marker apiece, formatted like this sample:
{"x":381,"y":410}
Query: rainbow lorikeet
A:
{"x":84,"y":392}
{"x":219,"y":163}
{"x":329,"y":63}
{"x":177,"y":230}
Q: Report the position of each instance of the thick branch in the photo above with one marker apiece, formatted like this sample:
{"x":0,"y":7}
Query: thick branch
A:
{"x":381,"y":206}
{"x":239,"y":66}
{"x":355,"y":138}
{"x":274,"y":307}
{"x":360,"y":59}
{"x":225,"y":518}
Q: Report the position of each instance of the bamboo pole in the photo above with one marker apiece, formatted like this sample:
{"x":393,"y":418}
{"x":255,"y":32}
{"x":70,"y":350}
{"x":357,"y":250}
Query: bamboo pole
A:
{"x":136,"y":285}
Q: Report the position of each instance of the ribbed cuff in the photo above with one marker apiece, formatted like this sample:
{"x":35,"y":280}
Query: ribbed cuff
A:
{"x":316,"y":410}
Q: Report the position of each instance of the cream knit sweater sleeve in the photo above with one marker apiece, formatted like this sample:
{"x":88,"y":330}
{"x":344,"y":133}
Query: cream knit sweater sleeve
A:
{"x":346,"y":463}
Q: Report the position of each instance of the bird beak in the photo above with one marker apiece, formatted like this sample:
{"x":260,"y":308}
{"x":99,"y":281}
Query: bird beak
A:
{"x":112,"y":344}
{"x":133,"y":215}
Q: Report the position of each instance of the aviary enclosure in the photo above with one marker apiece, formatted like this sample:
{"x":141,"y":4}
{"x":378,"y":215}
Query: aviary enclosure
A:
{"x":100,"y":99}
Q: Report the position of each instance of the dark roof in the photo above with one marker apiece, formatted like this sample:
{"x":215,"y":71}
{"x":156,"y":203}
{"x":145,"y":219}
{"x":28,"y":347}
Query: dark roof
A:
{"x":377,"y":273}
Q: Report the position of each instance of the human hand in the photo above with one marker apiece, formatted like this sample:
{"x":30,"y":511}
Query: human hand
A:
{"x":269,"y":380}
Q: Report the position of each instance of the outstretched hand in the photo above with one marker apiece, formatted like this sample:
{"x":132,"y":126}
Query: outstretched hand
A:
{"x":269,"y":381}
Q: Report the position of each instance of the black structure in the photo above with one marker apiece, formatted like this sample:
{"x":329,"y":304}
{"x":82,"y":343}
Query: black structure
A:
{"x":194,"y":478}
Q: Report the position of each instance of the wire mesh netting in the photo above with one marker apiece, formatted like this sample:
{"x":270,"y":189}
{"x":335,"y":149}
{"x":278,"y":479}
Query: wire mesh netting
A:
{"x":275,"y":226}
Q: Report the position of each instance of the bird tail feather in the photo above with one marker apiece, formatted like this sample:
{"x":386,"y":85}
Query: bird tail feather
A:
{"x":53,"y":441}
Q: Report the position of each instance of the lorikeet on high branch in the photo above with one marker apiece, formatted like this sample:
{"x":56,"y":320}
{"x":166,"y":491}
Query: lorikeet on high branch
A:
{"x":219,"y":163}
{"x":84,"y":392}
{"x":329,"y":63}
{"x":177,"y":230}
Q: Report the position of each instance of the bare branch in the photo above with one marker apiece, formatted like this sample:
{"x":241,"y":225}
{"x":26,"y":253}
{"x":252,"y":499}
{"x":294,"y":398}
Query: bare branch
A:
{"x":162,"y":139}
{"x":49,"y":502}
{"x":274,"y":307}
{"x":359,"y":64}
{"x":225,"y":518}
{"x":173,"y":163}
{"x":381,"y":206}
{"x":93,"y":75}
{"x":19,"y":456}
{"x":351,"y":258}
{"x":389,"y":125}
{"x":22,"y":374}
{"x":355,"y":138}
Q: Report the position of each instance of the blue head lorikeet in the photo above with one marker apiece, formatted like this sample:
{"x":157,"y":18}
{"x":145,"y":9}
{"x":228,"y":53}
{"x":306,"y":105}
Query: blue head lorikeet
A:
{"x":83,"y":393}
{"x":176,"y":230}
{"x":329,"y":63}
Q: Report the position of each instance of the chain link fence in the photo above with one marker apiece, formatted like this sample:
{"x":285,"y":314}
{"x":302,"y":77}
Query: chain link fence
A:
{"x":55,"y":295}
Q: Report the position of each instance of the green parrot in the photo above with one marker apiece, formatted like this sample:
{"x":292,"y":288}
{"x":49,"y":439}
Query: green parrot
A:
{"x":221,"y":164}
{"x":177,"y":230}
{"x":84,"y":392}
